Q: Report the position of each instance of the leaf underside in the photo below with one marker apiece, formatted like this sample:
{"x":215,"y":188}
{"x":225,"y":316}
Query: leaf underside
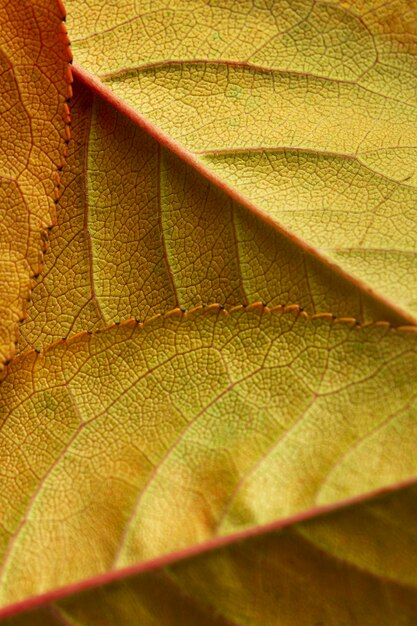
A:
{"x":34,"y":85}
{"x":219,"y":466}
{"x":307,"y":108}
{"x":141,"y":232}
{"x":172,"y":466}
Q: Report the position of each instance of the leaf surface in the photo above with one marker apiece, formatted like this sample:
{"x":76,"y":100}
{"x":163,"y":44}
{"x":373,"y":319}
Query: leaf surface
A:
{"x":34,"y":79}
{"x":228,"y":152}
{"x":276,"y":578}
{"x":138,"y":441}
{"x":140,"y":231}
{"x":307,"y":108}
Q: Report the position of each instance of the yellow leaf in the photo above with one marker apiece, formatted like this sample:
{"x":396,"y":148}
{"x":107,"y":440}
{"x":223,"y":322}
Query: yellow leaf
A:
{"x":232,"y":152}
{"x":307,"y":108}
{"x":136,"y":442}
{"x":34,"y":80}
{"x":272,"y":577}
{"x":140,"y":231}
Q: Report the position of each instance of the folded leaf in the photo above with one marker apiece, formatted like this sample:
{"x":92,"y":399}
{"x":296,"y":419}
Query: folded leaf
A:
{"x":308,"y":109}
{"x":138,"y":441}
{"x":34,"y":80}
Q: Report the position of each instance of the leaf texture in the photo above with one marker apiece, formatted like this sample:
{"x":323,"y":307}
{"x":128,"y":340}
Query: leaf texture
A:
{"x":140,"y":232}
{"x":205,"y":465}
{"x":307,"y":108}
{"x":34,"y":83}
{"x":273,"y":578}
{"x":257,"y":582}
{"x":132,"y":443}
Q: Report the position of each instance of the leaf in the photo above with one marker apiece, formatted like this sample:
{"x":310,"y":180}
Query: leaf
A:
{"x":239,"y":437}
{"x":34,"y":79}
{"x":139,"y":441}
{"x":307,"y":108}
{"x":212,"y":587}
{"x":140,"y":231}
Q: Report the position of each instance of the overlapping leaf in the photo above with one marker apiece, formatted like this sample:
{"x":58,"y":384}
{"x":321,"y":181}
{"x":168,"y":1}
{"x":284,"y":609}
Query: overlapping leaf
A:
{"x":170,"y":439}
{"x":34,"y":85}
{"x":140,"y":231}
{"x":136,"y":442}
{"x":308,"y":108}
{"x":213,"y":589}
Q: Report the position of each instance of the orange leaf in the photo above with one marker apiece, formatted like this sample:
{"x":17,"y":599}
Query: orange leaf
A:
{"x":34,"y":80}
